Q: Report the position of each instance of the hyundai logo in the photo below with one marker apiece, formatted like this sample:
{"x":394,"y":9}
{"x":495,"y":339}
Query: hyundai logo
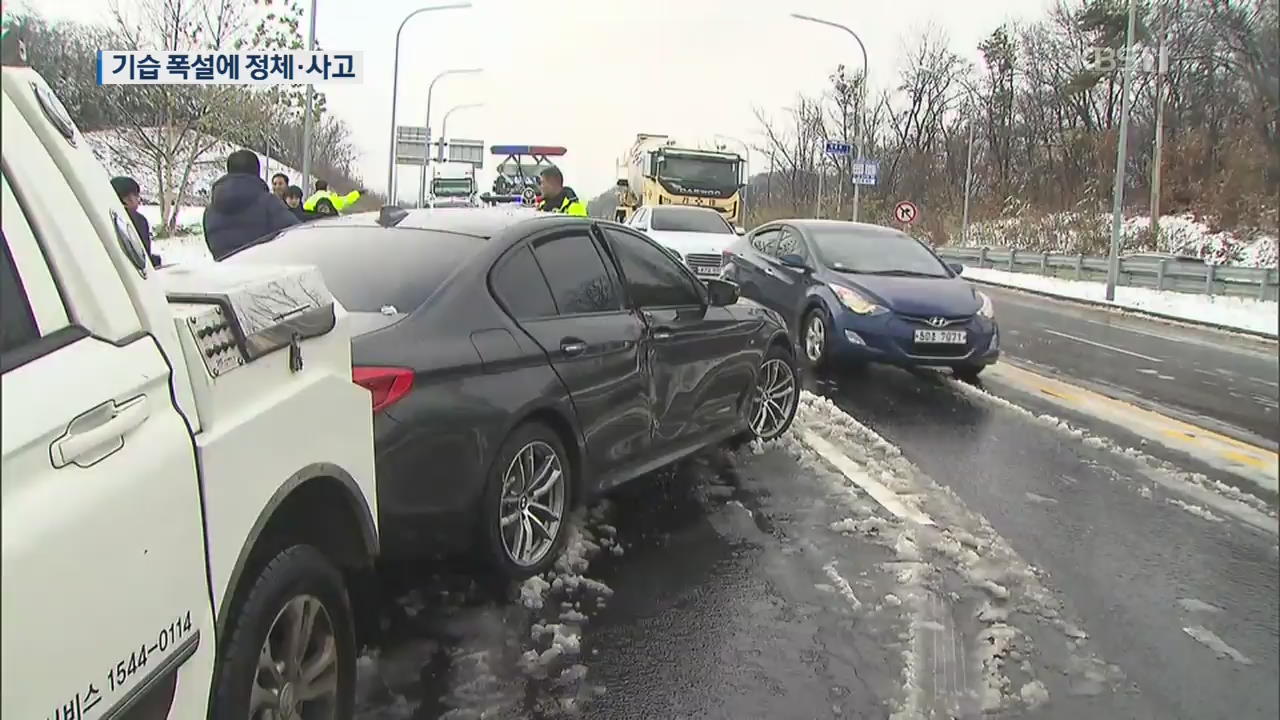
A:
{"x":937,"y":321}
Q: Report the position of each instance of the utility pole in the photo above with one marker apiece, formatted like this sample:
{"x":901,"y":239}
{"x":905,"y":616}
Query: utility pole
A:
{"x":1117,"y":196}
{"x":1162,"y":72}
{"x":968,"y":184}
{"x":307,"y":121}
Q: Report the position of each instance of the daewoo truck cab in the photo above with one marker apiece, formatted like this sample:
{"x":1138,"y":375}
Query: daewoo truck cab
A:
{"x":188,"y":472}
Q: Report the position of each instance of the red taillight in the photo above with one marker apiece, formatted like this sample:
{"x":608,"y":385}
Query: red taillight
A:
{"x":387,"y":384}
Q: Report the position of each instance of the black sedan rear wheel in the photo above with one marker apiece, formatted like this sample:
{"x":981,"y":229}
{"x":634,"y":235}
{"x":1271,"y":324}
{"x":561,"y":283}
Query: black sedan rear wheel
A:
{"x":777,"y":395}
{"x":527,"y":502}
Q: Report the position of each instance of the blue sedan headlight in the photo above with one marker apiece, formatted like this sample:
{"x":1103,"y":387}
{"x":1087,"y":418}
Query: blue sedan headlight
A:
{"x":854,"y":301}
{"x":986,"y":311}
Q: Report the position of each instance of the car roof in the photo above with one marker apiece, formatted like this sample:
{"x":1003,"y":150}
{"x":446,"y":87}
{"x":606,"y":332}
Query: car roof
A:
{"x":482,"y":222}
{"x":808,"y":224}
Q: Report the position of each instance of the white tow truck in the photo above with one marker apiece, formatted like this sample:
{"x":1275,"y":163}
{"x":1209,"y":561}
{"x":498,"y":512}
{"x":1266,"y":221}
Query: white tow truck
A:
{"x":188,"y":471}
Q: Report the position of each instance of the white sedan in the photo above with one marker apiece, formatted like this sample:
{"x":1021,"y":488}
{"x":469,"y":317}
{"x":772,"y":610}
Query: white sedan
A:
{"x":698,"y":235}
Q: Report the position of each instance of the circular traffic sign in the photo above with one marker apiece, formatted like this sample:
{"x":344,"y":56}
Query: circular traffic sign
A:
{"x":905,"y":212}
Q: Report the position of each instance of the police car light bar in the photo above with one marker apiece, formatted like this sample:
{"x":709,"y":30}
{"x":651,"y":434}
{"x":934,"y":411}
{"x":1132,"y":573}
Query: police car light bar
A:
{"x":547,"y":150}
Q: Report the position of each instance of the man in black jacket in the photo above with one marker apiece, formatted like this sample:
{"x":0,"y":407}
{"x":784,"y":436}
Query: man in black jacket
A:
{"x":241,"y":207}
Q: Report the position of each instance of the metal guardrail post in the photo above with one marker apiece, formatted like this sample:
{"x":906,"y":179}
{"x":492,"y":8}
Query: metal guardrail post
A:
{"x":982,"y":257}
{"x":1160,"y":271}
{"x":1262,"y":284}
{"x":1044,"y":263}
{"x":1080,"y":266}
{"x":1209,"y":277}
{"x":1013,"y":257}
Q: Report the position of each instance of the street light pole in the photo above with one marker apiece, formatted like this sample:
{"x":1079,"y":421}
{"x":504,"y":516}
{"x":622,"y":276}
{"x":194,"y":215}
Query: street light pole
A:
{"x":395,"y":86}
{"x":1117,"y":197}
{"x":862,"y":92}
{"x":968,"y":167}
{"x":307,"y":122}
{"x":426,"y":151}
{"x":444,"y":126}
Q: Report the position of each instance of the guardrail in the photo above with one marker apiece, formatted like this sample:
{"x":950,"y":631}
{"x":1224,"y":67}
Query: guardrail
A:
{"x":1260,"y":283}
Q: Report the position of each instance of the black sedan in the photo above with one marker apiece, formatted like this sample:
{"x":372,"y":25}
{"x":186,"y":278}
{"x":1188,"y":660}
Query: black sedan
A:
{"x":521,"y":363}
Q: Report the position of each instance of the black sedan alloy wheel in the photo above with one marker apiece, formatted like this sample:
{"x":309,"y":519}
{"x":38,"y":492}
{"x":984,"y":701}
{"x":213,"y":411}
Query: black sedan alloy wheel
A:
{"x":777,"y":392}
{"x":533,"y":495}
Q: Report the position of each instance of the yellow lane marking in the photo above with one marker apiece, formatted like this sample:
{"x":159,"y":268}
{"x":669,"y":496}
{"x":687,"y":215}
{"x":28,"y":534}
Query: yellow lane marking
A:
{"x":1258,"y":464}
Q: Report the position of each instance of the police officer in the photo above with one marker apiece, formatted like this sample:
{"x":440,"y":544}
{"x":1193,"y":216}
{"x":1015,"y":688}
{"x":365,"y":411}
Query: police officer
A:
{"x":327,"y":202}
{"x":556,"y":197}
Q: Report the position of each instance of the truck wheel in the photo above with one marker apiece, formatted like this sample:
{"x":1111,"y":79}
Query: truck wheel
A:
{"x":527,"y":502}
{"x":292,"y":650}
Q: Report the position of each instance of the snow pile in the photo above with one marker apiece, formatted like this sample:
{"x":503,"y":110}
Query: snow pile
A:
{"x":1234,"y":312}
{"x":1074,"y":232}
{"x":190,"y":218}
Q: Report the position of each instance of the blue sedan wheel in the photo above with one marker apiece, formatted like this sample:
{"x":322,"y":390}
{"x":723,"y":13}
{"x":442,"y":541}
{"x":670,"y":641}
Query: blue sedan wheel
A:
{"x":814,"y":336}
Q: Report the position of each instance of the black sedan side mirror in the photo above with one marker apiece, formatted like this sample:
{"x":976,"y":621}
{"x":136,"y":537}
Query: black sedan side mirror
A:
{"x":721,"y":292}
{"x":793,"y":260}
{"x":956,"y":268}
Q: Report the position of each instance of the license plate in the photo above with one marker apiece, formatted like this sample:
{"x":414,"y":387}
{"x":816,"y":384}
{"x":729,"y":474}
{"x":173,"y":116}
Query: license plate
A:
{"x":706,"y":270}
{"x":942,"y":337}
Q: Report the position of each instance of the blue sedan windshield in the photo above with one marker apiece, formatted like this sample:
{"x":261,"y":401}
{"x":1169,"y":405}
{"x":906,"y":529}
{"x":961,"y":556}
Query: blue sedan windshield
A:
{"x":887,"y":252}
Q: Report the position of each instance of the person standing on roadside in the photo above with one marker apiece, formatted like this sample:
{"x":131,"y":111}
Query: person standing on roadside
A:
{"x":241,"y":207}
{"x":556,"y":197}
{"x":293,"y":198}
{"x":130,"y":195}
{"x":279,"y":185}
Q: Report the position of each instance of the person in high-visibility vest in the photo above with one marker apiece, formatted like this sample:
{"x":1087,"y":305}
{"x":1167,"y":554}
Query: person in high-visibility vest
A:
{"x":556,"y":197}
{"x":327,"y":202}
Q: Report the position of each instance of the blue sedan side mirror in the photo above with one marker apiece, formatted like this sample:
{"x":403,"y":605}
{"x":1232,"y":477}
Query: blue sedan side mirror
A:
{"x":956,"y":268}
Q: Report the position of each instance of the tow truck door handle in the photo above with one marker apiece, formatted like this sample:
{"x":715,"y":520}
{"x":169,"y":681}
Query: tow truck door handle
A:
{"x":99,"y":432}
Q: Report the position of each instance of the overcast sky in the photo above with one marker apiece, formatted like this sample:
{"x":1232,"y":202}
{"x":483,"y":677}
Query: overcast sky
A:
{"x":590,"y":74}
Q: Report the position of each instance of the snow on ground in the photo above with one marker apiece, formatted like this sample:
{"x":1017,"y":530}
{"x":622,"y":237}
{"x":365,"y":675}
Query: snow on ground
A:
{"x":190,"y":217}
{"x":1196,"y":486}
{"x":182,"y":250}
{"x":958,"y":562}
{"x":1071,"y":232}
{"x":1228,"y":311}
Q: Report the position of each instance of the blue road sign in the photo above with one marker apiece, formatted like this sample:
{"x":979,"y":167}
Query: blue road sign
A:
{"x":838,"y":148}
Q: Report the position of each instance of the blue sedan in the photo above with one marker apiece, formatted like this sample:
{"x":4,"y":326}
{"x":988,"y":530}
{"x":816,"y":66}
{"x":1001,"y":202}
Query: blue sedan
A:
{"x":856,"y":293}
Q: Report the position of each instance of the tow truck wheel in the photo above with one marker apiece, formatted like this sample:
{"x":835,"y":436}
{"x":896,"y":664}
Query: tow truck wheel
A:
{"x":292,"y":651}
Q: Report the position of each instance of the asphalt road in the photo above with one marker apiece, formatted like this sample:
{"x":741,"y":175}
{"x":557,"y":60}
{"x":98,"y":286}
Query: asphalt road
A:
{"x":915,"y":547}
{"x":1227,"y":382}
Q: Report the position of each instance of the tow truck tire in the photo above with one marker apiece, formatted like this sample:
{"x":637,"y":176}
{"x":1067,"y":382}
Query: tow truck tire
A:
{"x":298,"y":584}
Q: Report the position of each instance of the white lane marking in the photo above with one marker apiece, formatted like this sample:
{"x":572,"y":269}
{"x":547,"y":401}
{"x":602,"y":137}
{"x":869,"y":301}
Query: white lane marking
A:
{"x":1126,"y":328}
{"x":1207,"y":638}
{"x":1148,"y":371}
{"x":842,"y":585}
{"x":887,"y":498}
{"x":1104,"y":346}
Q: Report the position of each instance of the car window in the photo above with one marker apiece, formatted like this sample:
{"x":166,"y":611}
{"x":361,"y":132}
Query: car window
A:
{"x":640,"y":219}
{"x":689,"y":219}
{"x":851,"y":248}
{"x":520,"y":287}
{"x":17,"y":321}
{"x":653,"y":278}
{"x":576,"y":274}
{"x":789,"y":243}
{"x":765,"y":241}
{"x":369,"y":268}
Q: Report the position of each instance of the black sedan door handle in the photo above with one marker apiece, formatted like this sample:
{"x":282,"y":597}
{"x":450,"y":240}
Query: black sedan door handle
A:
{"x":661,"y":334}
{"x":572,"y":346}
